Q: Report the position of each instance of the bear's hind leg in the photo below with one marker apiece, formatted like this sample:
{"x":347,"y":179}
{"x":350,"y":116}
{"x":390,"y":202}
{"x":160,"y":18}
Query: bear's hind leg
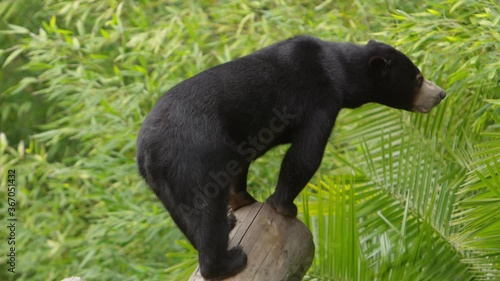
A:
{"x":206,"y":226}
{"x":212,"y":237}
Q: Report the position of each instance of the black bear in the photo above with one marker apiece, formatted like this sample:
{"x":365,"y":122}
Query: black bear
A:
{"x":196,"y":145}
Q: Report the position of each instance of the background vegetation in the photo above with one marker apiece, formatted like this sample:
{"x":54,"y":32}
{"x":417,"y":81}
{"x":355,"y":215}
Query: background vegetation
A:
{"x":399,"y":196}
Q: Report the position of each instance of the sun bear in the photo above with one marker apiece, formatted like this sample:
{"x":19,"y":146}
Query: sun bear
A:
{"x":196,"y":144}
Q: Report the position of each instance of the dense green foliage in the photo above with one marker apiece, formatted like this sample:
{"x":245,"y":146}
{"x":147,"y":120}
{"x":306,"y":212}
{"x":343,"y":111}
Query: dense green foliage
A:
{"x":399,"y":196}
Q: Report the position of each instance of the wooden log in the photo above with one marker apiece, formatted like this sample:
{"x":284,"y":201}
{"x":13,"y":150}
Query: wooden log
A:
{"x":278,"y":248}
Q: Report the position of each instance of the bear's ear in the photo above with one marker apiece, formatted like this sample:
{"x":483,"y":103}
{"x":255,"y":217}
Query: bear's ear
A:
{"x":380,"y":64}
{"x":371,"y":42}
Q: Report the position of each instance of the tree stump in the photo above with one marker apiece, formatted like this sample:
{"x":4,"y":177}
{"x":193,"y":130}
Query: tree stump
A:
{"x":278,"y":248}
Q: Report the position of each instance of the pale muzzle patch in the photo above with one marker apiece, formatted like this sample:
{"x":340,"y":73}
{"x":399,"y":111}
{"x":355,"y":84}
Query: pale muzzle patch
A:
{"x":427,"y":97}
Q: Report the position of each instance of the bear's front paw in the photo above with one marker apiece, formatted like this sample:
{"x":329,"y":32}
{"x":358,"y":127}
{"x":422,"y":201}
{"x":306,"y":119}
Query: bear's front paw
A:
{"x":285,"y":209}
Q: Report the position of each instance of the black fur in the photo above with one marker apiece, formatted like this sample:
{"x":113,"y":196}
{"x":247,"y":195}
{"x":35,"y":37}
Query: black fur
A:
{"x":195,"y":146}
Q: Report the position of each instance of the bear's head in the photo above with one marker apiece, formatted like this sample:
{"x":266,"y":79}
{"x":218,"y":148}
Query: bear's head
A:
{"x":398,"y":83}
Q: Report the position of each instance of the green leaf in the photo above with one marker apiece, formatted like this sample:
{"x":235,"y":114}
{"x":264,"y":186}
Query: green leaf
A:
{"x":12,"y":56}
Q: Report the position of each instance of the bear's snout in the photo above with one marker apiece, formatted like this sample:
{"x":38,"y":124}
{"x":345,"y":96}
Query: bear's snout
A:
{"x":428,"y":96}
{"x":442,"y":94}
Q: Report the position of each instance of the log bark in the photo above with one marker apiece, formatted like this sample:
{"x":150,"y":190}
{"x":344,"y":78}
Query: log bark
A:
{"x":278,"y":248}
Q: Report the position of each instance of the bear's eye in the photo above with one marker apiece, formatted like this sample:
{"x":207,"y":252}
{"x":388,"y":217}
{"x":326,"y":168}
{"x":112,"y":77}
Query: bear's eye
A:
{"x":420,"y":80}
